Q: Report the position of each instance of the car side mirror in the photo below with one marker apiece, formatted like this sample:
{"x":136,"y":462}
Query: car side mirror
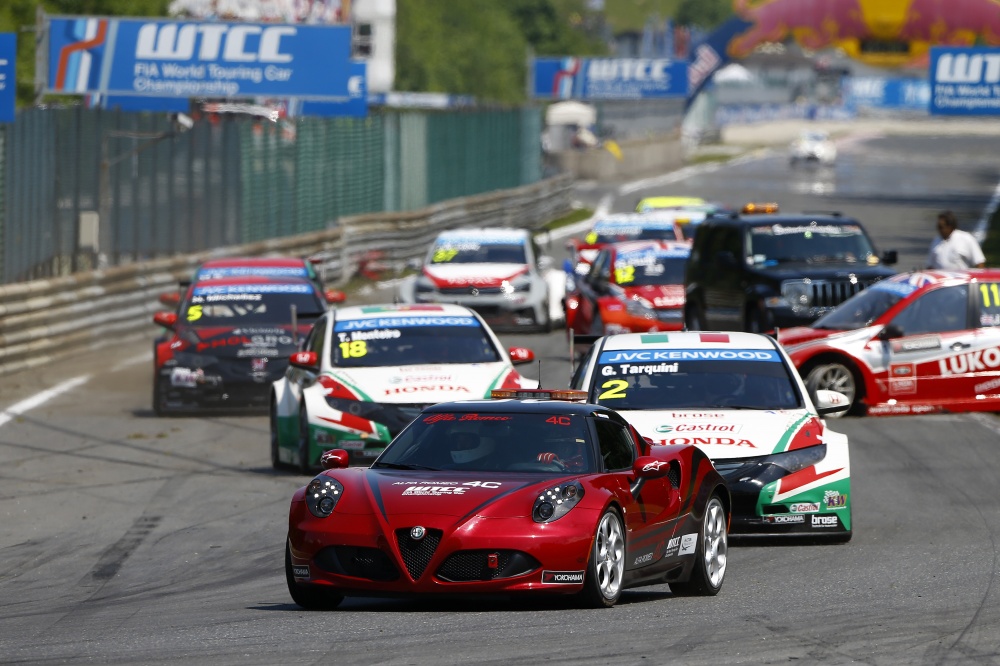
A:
{"x":334,"y":296}
{"x":890,"y":257}
{"x":890,"y":332}
{"x":304,"y":360}
{"x":521,"y":355}
{"x":831,"y":402}
{"x":545,"y":262}
{"x":165,"y":319}
{"x":334,"y":459}
{"x":648,"y":467}
{"x":170,"y":298}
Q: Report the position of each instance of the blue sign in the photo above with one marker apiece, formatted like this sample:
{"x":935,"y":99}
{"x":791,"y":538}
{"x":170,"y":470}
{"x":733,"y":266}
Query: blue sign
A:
{"x":356,"y":106}
{"x":8,"y":89}
{"x":875,"y":92}
{"x":712,"y":53}
{"x":162,"y":58}
{"x":609,"y":78}
{"x":965,"y":81}
{"x":667,"y":355}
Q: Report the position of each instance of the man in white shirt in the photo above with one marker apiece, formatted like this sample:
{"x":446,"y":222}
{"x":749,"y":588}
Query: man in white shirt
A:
{"x":954,"y":249}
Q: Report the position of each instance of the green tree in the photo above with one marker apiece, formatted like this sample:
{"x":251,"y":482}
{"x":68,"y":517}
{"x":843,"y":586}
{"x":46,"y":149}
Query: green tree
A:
{"x":703,"y":13}
{"x":549,"y":31}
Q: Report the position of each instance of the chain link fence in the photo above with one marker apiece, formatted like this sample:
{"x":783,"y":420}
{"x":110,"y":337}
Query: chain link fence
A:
{"x":84,"y":188}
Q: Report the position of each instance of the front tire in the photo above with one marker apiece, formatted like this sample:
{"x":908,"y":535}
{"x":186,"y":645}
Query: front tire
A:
{"x":603,"y":583}
{"x":835,"y":377}
{"x":308,"y":596}
{"x":711,"y":555}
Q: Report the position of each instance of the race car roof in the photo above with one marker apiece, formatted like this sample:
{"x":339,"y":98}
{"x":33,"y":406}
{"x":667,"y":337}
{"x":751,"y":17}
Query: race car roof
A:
{"x":249,"y":280}
{"x":401,"y":310}
{"x":688,"y":340}
{"x":494,"y":234}
{"x":529,"y":406}
{"x":667,"y":202}
{"x":650,"y":218}
{"x":253,"y":261}
{"x":276,"y":267}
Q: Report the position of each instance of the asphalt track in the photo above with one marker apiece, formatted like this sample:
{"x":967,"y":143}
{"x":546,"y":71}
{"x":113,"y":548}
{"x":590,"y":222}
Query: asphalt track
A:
{"x":125,"y":538}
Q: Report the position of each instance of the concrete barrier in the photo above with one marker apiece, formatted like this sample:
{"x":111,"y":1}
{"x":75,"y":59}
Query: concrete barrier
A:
{"x":43,"y":320}
{"x":640,"y":157}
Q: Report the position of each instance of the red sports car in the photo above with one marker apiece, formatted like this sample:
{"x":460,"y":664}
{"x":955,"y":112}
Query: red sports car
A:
{"x":913,"y":343}
{"x":510,"y":496}
{"x":633,"y":287}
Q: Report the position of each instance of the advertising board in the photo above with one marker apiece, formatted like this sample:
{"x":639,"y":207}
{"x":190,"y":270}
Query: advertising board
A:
{"x":965,"y":81}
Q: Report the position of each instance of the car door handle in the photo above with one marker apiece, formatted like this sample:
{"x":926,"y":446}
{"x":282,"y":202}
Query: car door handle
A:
{"x":961,"y":345}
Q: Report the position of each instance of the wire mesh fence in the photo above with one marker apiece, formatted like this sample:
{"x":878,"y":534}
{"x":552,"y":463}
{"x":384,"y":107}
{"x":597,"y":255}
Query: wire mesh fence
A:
{"x":84,"y":188}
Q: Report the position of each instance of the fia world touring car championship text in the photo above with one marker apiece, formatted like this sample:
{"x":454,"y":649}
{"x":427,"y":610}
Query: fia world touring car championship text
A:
{"x":206,"y":79}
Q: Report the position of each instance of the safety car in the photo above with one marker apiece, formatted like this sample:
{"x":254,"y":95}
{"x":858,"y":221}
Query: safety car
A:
{"x":636,"y":286}
{"x":228,"y":340}
{"x":813,"y":146}
{"x":738,"y":398}
{"x":915,"y":343}
{"x":365,"y":371}
{"x":620,"y":227}
{"x":500,"y":273}
{"x":507,"y":496}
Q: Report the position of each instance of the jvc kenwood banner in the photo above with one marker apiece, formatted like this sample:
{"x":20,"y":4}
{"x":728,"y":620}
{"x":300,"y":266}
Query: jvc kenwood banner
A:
{"x":163,"y":58}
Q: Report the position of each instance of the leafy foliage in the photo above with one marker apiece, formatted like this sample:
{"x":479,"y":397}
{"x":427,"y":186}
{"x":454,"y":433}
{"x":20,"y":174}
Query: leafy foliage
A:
{"x":703,"y":13}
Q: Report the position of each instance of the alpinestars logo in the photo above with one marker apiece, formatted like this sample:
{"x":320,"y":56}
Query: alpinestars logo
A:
{"x":562,"y":577}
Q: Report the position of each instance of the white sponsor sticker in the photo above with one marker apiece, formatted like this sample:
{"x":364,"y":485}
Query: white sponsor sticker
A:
{"x":688,"y":544}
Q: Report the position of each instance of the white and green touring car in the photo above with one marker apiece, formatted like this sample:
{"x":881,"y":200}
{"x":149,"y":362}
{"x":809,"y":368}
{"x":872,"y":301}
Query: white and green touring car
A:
{"x":737,"y":397}
{"x":364,"y":372}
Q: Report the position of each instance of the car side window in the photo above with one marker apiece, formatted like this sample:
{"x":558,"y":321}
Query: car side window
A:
{"x":938,"y":311}
{"x":988,"y":299}
{"x":617,"y":448}
{"x":316,"y":336}
{"x":600,"y":269}
{"x":576,"y":382}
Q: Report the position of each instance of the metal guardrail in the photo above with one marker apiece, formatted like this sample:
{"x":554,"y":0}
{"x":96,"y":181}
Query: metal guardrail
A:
{"x":43,"y":320}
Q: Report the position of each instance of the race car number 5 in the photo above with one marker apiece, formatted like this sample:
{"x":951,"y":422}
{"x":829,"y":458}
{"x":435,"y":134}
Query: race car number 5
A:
{"x":615,"y":389}
{"x":194,"y":313}
{"x":355,"y":349}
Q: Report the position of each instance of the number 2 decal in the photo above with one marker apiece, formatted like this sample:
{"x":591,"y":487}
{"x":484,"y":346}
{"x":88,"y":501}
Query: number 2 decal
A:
{"x":615,"y":389}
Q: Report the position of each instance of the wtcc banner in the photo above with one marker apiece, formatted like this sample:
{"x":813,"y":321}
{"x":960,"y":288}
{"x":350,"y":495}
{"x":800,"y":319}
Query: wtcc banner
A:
{"x":965,"y":81}
{"x":162,"y":58}
{"x":608,"y":78}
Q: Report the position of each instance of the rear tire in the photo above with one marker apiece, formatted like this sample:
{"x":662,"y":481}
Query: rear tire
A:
{"x":308,"y":596}
{"x":711,"y":555}
{"x":157,"y":396}
{"x":603,"y":583}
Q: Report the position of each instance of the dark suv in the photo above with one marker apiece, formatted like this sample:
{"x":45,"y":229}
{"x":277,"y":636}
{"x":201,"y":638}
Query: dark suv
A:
{"x":761,"y":272}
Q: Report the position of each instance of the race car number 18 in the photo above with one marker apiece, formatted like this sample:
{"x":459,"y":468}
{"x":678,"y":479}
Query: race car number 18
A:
{"x":355,"y":349}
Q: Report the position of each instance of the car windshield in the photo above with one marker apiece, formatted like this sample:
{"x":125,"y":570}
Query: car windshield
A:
{"x":472,"y":251}
{"x":630,"y":232}
{"x":242,"y":304}
{"x":412,"y":340}
{"x":774,"y":244}
{"x":224,"y":272}
{"x":693,"y":378}
{"x":653,"y":268}
{"x":547,"y":442}
{"x":864,"y":307}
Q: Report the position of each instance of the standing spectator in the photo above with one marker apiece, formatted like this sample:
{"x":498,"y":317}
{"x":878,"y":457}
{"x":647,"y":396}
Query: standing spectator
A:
{"x":955,"y":249}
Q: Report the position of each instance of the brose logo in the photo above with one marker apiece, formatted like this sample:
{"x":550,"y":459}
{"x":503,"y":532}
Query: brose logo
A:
{"x":968,"y":68}
{"x":824,"y":521}
{"x":208,"y":41}
{"x":562,"y":577}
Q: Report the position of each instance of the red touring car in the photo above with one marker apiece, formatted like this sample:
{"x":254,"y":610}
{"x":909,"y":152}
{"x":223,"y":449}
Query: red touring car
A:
{"x":510,"y":496}
{"x":634,"y":287}
{"x":913,"y":343}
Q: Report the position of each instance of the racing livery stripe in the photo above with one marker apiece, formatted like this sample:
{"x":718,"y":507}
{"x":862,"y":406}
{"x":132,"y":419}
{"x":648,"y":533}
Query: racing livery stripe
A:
{"x":801,"y":478}
{"x":372,"y":480}
{"x":364,"y":396}
{"x":489,"y":501}
{"x":783,"y":442}
{"x":496,"y":380}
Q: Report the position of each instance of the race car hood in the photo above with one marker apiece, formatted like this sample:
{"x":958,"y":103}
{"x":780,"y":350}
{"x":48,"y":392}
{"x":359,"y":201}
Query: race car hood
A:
{"x":241,"y":341}
{"x":662,"y":296}
{"x":445,"y":276}
{"x":826,"y":271}
{"x":450,"y":494}
{"x":725,"y":434}
{"x":801,"y":338}
{"x":424,"y":384}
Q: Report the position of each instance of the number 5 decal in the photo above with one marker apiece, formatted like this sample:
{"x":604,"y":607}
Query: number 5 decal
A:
{"x":615,"y":389}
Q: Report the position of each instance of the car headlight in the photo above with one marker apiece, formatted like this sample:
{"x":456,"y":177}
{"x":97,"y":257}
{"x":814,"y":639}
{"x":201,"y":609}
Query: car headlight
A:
{"x":795,"y":294}
{"x":639,"y":307}
{"x":520,"y":283}
{"x":555,"y":502}
{"x":765,"y":469}
{"x":322,"y":495}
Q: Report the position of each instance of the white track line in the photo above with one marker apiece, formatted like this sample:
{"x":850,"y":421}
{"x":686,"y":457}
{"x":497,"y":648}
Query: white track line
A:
{"x":144,"y":357}
{"x":39,"y":399}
